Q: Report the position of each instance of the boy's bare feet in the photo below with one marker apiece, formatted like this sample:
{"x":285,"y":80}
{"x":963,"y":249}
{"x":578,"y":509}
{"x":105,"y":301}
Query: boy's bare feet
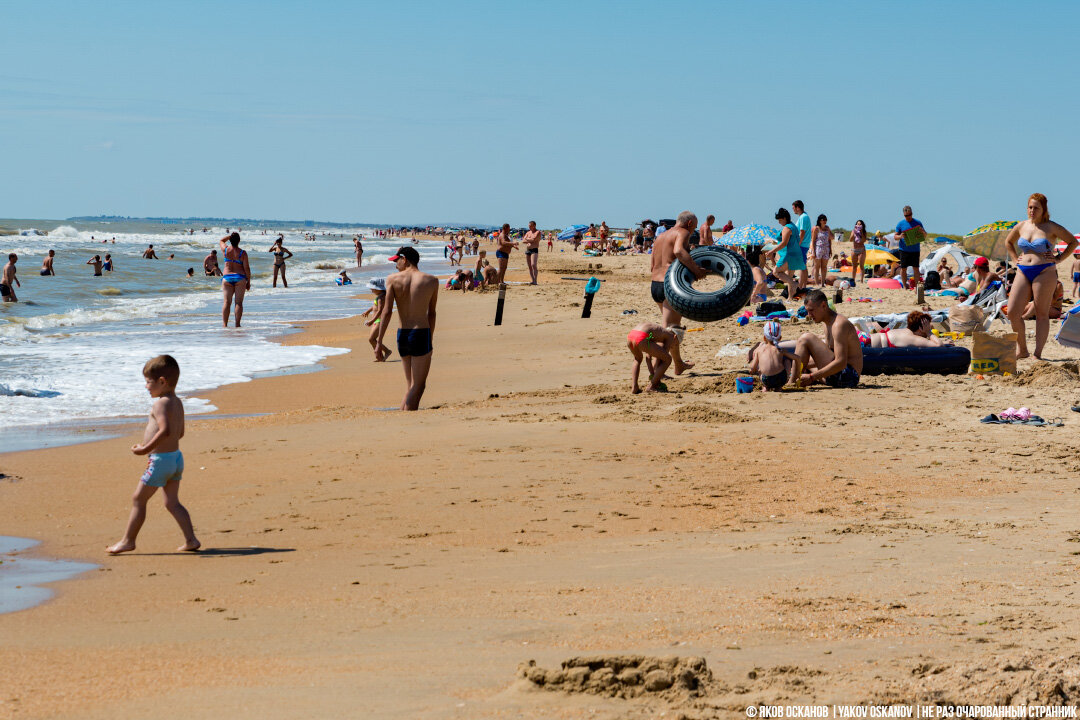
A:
{"x":189,"y":547}
{"x":120,"y":547}
{"x":680,"y":369}
{"x":636,"y":391}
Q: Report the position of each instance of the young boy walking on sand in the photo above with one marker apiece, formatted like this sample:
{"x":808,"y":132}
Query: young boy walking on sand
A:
{"x":161,"y":440}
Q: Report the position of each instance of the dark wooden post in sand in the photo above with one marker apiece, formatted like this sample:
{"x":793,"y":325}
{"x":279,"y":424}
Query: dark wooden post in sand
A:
{"x":590,"y":291}
{"x":499,"y":307}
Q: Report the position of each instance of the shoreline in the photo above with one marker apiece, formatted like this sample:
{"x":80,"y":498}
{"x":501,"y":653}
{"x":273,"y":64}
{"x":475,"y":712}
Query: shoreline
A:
{"x":405,"y":564}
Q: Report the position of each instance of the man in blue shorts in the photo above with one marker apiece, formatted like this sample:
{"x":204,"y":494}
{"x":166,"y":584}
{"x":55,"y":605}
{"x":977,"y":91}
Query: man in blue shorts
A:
{"x":910,"y":234}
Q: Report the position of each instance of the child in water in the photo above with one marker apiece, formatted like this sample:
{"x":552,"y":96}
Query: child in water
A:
{"x":344,"y":278}
{"x":161,"y":440}
{"x":767,"y":359}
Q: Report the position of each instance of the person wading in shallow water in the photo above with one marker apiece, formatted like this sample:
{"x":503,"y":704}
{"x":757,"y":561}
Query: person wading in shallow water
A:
{"x":237,"y":278}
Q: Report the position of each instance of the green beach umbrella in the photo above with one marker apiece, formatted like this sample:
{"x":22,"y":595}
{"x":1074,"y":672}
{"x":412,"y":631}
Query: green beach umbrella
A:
{"x":989,"y":240}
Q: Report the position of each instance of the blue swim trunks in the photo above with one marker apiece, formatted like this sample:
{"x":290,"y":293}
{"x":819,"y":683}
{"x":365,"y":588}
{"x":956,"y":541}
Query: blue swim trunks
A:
{"x":163,"y":468}
{"x":501,"y":255}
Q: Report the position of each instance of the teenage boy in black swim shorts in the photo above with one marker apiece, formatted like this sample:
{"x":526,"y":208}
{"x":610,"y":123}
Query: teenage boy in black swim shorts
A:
{"x":415,"y":294}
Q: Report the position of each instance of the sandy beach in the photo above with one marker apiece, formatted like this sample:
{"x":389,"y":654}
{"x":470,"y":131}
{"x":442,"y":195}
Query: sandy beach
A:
{"x":826,"y":546}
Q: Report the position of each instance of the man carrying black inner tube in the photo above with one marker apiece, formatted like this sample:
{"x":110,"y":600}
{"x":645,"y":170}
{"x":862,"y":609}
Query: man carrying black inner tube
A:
{"x":671,"y":245}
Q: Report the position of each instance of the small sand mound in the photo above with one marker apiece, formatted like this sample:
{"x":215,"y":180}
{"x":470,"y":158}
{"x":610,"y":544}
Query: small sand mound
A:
{"x":607,"y":399}
{"x":722,"y":383}
{"x":1048,"y":374}
{"x":703,"y":413}
{"x":624,"y":676}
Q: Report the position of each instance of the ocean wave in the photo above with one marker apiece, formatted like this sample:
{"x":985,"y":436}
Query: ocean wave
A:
{"x":8,"y":391}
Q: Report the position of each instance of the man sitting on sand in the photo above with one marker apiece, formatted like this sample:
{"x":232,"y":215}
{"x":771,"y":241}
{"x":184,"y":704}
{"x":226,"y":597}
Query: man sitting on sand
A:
{"x":838,"y":359}
{"x":669,"y":245}
{"x":415,"y":294}
{"x":768,"y":360}
{"x":659,"y":347}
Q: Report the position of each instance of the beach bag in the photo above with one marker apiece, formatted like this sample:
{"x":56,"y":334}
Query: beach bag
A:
{"x":1069,"y":332}
{"x":770,"y":306}
{"x":966,"y":318}
{"x":992,"y":354}
{"x":933,"y":280}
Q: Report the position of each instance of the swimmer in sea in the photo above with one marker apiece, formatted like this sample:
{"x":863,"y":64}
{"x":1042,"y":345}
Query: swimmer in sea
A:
{"x":47,"y":264}
{"x":210,"y":264}
{"x":96,"y":262}
{"x":148,"y":253}
{"x":281,"y":254}
{"x":107,"y":266}
{"x":8,"y":281}
{"x":358,"y":247}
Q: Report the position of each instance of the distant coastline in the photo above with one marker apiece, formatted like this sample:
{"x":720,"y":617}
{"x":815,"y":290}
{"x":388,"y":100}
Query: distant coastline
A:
{"x":262,"y":223}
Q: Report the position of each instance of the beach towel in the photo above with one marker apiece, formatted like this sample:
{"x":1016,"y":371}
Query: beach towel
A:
{"x":1033,"y":420}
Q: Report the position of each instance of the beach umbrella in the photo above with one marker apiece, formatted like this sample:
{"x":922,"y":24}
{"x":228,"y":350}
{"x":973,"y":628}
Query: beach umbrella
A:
{"x":570,"y":232}
{"x":943,"y":240}
{"x":877,"y":256}
{"x":882,"y":248}
{"x":989,"y":240}
{"x":750,"y":235}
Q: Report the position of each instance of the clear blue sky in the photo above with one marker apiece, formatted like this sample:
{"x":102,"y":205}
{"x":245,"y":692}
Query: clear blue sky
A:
{"x":559,"y":112}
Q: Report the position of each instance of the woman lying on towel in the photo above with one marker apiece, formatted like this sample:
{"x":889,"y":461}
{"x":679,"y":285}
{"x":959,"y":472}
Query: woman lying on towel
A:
{"x":917,"y":334}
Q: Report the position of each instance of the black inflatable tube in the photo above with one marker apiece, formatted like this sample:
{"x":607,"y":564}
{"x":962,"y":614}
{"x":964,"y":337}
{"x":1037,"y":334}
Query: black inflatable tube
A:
{"x":707,"y":307}
{"x":945,"y":360}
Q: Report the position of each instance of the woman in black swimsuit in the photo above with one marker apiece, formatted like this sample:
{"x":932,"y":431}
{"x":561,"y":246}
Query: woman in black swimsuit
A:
{"x":281,"y":254}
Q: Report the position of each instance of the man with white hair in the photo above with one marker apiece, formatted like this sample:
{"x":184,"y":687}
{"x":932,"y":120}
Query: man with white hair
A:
{"x":669,"y":245}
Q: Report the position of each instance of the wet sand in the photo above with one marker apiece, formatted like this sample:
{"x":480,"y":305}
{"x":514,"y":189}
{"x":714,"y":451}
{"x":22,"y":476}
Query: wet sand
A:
{"x":869,"y":545}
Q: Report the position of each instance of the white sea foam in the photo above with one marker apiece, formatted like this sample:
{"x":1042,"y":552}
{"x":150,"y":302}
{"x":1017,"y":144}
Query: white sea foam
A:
{"x":73,"y":349}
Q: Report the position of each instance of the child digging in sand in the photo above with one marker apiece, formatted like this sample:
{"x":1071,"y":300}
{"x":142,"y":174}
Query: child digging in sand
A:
{"x":162,"y":441}
{"x":768,"y":359}
{"x":654,"y":343}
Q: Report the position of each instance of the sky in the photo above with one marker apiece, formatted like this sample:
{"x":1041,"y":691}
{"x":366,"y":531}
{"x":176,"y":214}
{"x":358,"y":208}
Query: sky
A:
{"x":559,"y":112}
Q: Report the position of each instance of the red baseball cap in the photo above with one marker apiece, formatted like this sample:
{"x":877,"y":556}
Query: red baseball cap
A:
{"x":982,"y":262}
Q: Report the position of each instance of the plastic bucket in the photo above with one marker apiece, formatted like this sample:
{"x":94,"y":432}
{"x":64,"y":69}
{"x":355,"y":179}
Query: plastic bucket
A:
{"x":744,"y":384}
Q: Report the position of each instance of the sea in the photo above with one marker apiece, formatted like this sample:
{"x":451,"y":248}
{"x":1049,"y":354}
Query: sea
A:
{"x":73,"y":347}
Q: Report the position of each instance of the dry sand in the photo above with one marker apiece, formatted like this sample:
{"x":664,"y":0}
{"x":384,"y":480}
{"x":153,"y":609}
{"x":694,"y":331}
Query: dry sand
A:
{"x":870,"y":545}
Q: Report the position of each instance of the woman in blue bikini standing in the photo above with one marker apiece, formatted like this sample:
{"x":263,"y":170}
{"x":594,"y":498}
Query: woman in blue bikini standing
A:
{"x":1031,"y":245}
{"x":237,"y":278}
